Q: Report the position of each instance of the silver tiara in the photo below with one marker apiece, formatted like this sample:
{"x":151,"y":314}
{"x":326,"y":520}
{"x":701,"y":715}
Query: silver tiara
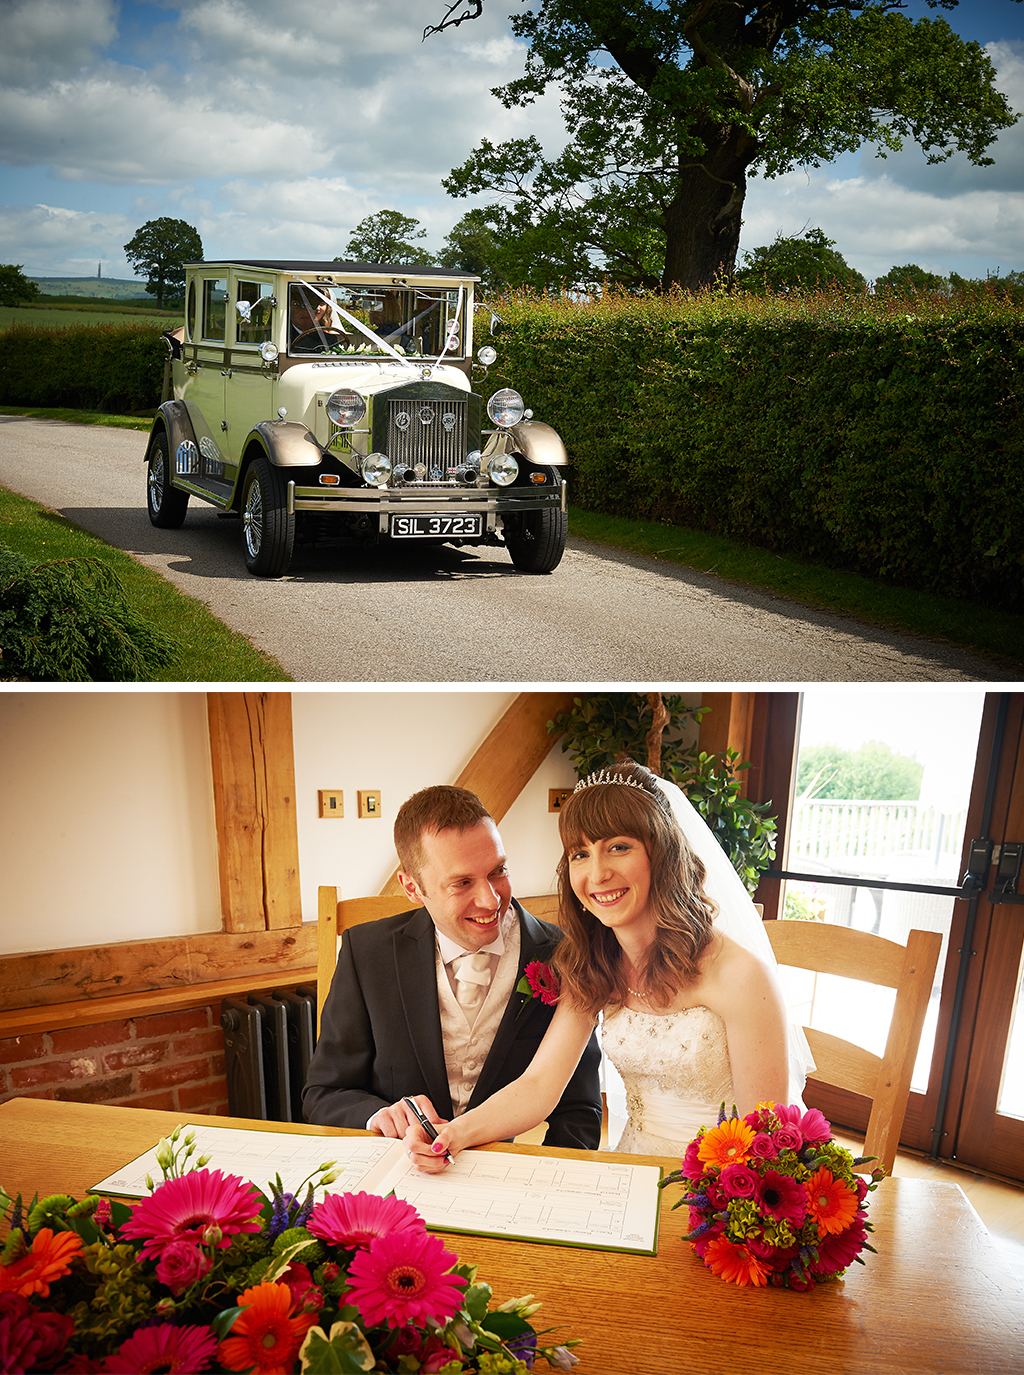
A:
{"x":606,"y":776}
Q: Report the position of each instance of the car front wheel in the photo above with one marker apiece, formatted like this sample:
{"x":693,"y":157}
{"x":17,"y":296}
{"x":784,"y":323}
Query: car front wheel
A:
{"x":166,"y":505}
{"x":268,"y":531}
{"x":536,"y":539}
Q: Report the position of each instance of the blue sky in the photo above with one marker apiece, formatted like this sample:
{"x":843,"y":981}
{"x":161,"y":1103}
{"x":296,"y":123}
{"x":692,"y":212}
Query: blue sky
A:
{"x":275,"y":128}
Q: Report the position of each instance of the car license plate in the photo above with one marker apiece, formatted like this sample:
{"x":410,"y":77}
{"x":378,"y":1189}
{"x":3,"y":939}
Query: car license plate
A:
{"x":436,"y":527}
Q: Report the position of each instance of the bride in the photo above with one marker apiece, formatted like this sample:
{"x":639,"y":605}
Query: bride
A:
{"x":661,"y":936}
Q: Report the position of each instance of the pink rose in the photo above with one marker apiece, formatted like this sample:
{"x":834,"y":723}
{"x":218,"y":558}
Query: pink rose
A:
{"x":788,"y":1138}
{"x":181,"y":1263}
{"x":738,"y":1181}
{"x":692,"y":1167}
{"x":763,"y":1147}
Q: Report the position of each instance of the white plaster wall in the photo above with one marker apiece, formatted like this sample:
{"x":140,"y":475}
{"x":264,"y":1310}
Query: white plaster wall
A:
{"x":399,"y":742}
{"x":106,"y":818}
{"x":107,"y":829}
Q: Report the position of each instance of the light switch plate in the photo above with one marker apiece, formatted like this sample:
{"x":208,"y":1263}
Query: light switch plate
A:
{"x":369,"y":802}
{"x":332,"y":803}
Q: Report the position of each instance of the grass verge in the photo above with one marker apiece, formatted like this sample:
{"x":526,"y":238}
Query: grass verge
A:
{"x":119,"y":422}
{"x":961,"y":623}
{"x":209,"y":652}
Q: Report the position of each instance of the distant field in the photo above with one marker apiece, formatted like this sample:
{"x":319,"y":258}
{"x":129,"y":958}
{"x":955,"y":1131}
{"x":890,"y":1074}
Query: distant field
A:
{"x":107,"y":288}
{"x":65,"y":316}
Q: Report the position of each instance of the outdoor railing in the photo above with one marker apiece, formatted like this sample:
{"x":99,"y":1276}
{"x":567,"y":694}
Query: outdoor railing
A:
{"x":842,"y":831}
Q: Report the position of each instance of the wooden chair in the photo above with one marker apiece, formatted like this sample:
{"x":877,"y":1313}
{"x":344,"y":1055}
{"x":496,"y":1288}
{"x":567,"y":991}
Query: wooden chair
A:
{"x":335,"y":915}
{"x":909,"y":969}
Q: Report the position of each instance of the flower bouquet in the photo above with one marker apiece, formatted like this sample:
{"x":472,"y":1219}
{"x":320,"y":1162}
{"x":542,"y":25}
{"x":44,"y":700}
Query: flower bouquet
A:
{"x":773,"y":1199}
{"x":208,"y":1273}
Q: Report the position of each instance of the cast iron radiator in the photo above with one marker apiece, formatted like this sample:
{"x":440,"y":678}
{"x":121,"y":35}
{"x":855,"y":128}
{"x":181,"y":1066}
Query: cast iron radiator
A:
{"x":268,"y":1043}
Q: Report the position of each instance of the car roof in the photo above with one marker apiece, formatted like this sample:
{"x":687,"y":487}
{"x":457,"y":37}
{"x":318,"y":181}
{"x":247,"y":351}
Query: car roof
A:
{"x":304,"y":265}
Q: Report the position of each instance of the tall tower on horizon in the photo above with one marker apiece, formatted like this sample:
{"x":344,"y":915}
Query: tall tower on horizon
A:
{"x":99,"y":271}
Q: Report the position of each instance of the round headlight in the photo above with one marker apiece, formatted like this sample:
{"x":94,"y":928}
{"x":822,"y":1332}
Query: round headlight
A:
{"x":487,"y":355}
{"x":506,"y":408}
{"x":376,"y":469}
{"x":503,"y":469}
{"x":346,"y":407}
{"x":268,"y":352}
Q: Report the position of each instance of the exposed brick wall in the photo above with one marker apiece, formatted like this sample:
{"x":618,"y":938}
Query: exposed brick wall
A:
{"x":173,"y":1060}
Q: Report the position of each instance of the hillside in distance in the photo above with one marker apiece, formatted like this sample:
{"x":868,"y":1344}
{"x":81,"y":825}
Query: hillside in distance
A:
{"x":99,"y":288}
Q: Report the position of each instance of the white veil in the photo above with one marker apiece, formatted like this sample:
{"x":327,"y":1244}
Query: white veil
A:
{"x":737,"y":916}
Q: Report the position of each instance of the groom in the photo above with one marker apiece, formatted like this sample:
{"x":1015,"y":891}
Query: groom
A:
{"x":424,"y":1003}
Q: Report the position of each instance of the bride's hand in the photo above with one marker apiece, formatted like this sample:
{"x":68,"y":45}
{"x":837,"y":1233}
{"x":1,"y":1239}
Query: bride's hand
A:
{"x":432,"y":1157}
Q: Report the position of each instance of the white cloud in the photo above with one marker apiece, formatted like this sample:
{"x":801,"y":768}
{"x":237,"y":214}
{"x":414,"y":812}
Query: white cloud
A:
{"x":46,"y":40}
{"x":55,"y":242}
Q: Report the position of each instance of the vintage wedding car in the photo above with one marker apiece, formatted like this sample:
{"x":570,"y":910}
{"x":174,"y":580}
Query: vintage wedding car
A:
{"x":336,"y":400}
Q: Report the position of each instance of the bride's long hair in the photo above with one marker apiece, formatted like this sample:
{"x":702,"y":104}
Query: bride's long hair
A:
{"x":588,"y":957}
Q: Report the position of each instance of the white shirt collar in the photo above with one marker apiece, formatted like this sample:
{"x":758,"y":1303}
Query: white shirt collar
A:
{"x":451,"y":950}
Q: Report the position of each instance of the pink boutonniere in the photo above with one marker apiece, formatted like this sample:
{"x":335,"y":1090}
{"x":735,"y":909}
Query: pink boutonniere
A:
{"x":538,"y":981}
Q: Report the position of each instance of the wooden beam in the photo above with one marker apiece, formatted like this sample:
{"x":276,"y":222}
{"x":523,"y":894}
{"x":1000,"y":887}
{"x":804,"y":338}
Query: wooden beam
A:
{"x":506,"y":761}
{"x":254,"y":799}
{"x":727,"y":727}
{"x":47,"y":978}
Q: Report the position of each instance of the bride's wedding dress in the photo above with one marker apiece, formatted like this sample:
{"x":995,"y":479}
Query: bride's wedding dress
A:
{"x":676,"y":1071}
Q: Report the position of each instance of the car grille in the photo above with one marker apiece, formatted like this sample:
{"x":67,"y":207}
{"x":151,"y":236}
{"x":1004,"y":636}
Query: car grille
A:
{"x":427,"y":431}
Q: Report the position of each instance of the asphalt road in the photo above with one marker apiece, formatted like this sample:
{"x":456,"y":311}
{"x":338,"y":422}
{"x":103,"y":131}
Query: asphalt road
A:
{"x":411,"y":614}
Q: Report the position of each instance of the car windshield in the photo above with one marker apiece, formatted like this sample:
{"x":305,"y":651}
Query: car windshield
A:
{"x":415,"y":320}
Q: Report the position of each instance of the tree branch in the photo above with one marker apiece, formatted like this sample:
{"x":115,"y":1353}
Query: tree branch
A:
{"x":474,"y":12}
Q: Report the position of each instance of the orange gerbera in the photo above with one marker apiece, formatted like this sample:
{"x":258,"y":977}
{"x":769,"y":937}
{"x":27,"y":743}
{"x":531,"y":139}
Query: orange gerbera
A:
{"x":830,"y":1202}
{"x":733,"y":1262}
{"x":727,"y":1144}
{"x":266,"y":1337}
{"x":48,"y":1260}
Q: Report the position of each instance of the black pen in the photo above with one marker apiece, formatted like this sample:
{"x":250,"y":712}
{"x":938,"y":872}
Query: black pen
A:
{"x":427,"y":1126}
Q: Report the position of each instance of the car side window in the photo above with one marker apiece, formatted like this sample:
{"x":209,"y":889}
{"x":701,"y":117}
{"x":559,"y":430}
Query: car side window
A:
{"x":215,"y":295}
{"x":254,"y":304}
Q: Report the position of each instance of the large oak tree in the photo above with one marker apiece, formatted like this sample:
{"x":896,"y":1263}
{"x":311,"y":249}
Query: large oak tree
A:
{"x":671,"y":104}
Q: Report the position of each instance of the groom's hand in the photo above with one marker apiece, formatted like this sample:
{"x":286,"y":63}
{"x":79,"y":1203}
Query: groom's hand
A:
{"x":395,"y":1120}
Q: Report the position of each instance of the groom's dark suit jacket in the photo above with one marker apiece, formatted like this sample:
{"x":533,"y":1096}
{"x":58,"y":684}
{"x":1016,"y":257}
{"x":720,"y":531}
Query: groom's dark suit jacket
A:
{"x":380,"y":1033}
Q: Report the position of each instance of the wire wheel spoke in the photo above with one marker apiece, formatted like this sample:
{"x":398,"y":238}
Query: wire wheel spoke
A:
{"x":254,"y":519}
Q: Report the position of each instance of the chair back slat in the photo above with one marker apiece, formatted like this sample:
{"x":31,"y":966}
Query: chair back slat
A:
{"x":910,"y":969}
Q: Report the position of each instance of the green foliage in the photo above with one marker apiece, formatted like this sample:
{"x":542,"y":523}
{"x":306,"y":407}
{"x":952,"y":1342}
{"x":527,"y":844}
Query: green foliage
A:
{"x":160,"y":251}
{"x":872,"y":773}
{"x":385,"y":238}
{"x":843,"y":428}
{"x":15,"y":287}
{"x":600,"y":727}
{"x":94,"y":367}
{"x":68,"y":621}
{"x":797,"y":263}
{"x":909,"y":279}
{"x":670,"y":106}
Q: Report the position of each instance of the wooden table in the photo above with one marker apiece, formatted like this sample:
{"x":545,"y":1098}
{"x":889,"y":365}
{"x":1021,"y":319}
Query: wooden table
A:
{"x":937,"y":1297}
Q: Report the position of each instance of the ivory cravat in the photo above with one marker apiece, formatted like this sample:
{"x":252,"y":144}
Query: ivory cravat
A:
{"x":472,"y":980}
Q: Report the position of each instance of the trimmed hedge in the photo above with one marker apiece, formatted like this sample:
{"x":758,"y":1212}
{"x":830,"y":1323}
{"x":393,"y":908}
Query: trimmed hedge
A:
{"x":881,"y":436}
{"x":116,"y":368}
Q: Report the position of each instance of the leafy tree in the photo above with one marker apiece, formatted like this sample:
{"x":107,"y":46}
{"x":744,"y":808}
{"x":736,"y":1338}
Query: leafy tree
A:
{"x":160,"y":250}
{"x":1011,"y":284}
{"x":904,"y":281}
{"x":15,"y":287}
{"x":384,"y":238}
{"x":872,"y":773}
{"x":472,"y":246}
{"x":795,"y":263}
{"x":670,"y":104}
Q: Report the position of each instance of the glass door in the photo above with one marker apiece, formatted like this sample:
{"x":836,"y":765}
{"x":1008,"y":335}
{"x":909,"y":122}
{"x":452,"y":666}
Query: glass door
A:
{"x":882,"y":790}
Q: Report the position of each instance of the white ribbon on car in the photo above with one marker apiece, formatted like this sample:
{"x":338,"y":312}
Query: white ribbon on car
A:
{"x":375,"y":339}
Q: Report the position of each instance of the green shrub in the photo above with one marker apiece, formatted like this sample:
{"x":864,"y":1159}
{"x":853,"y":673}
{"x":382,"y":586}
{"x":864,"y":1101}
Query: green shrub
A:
{"x":857,"y":431}
{"x":91,"y":367}
{"x":68,"y":621}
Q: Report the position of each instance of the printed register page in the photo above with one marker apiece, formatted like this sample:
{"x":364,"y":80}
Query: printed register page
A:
{"x":600,"y":1204}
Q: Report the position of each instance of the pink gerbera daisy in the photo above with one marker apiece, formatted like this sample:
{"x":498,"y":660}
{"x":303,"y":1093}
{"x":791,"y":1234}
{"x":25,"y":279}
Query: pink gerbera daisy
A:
{"x":176,"y":1350}
{"x":186,"y":1207}
{"x":403,"y":1278}
{"x":352,"y":1220}
{"x":841,"y":1249}
{"x":783,"y":1198}
{"x":543,"y":981}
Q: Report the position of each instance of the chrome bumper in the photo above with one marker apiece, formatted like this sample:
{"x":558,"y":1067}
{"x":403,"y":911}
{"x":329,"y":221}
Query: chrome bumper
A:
{"x":386,"y":501}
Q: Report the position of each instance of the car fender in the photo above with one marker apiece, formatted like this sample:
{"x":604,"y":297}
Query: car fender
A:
{"x":287,"y":443}
{"x":539,"y":443}
{"x":177,"y":425}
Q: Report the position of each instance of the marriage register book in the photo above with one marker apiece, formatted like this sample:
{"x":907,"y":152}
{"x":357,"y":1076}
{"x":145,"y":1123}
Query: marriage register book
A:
{"x":604,"y":1205}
